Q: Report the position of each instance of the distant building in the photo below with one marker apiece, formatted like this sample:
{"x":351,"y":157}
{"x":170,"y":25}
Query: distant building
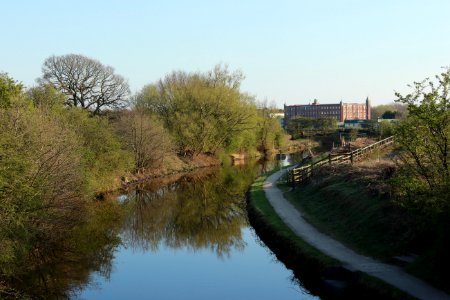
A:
{"x":340,"y":111}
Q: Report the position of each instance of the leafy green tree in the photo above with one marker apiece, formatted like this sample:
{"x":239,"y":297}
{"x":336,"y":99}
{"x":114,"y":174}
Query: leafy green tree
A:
{"x":202,"y":111}
{"x":353,"y":134}
{"x":9,"y":90}
{"x":103,"y":157}
{"x":51,"y":160}
{"x":424,"y":137}
{"x":385,"y":129}
{"x":40,"y":194}
{"x":46,"y":97}
{"x":269,"y":132}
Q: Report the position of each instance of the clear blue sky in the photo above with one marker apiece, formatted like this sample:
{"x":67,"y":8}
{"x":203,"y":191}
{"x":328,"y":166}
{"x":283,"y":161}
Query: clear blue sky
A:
{"x":290,"y":51}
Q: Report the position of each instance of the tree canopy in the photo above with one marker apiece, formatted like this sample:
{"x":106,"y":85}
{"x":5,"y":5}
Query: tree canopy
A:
{"x":86,"y":82}
{"x":299,"y":126}
{"x":202,"y":111}
{"x":9,"y":90}
{"x":389,"y":111}
{"x":425,"y":138}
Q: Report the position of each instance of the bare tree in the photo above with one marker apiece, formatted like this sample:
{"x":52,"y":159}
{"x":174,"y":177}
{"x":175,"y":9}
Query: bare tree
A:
{"x":86,"y":82}
{"x":145,"y":137}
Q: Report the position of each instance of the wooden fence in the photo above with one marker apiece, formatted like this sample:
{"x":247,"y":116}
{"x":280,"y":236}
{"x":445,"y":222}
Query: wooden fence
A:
{"x":299,"y":175}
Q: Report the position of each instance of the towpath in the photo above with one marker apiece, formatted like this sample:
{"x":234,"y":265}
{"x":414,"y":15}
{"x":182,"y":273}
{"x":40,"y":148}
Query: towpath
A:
{"x":331,"y":247}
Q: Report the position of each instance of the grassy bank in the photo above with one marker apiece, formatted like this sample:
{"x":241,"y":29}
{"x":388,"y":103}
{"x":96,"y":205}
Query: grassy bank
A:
{"x":311,"y":266}
{"x":344,"y":210}
{"x":354,"y":205}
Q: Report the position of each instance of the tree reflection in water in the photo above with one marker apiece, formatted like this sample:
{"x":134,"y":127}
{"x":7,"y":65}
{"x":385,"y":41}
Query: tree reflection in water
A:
{"x":204,"y":210}
{"x":65,"y":268}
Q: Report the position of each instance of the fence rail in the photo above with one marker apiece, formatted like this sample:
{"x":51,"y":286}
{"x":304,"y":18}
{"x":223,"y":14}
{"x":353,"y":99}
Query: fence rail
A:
{"x":299,"y":175}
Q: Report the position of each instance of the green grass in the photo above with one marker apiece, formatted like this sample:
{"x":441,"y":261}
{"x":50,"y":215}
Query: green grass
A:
{"x":311,"y":262}
{"x":374,"y":225}
{"x":344,"y":210}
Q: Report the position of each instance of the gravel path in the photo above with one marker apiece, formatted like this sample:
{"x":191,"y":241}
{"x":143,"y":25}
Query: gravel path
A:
{"x":388,"y":273}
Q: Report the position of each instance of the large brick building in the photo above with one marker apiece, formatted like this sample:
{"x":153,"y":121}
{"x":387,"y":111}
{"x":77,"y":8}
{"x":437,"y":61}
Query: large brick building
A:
{"x":340,"y":111}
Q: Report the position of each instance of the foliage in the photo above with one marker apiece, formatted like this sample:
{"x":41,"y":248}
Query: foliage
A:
{"x":300,"y":126}
{"x":39,"y":184}
{"x":145,"y":137}
{"x":270,"y":135}
{"x":51,"y":159}
{"x":391,"y":115}
{"x":10,"y":90}
{"x":389,"y":111}
{"x":385,"y":129}
{"x":424,"y":137}
{"x":46,"y":97}
{"x":86,"y":82}
{"x":353,"y":134}
{"x":202,"y":111}
{"x":103,"y":158}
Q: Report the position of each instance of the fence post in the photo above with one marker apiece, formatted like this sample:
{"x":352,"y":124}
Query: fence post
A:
{"x":329,"y":159}
{"x":351,"y":157}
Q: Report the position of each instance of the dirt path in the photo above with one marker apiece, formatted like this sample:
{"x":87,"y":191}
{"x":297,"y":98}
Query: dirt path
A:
{"x":388,"y":273}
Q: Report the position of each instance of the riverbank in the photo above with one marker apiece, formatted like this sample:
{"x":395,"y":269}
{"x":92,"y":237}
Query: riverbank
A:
{"x":355,"y":205}
{"x":172,"y":165}
{"x":320,"y":273}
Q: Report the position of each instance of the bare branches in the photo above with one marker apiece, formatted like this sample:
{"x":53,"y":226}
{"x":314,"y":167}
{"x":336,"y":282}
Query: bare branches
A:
{"x":86,"y":82}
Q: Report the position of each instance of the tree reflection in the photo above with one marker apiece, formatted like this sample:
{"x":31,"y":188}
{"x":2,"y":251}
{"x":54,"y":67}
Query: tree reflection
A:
{"x":200,"y":211}
{"x":203,"y":210}
{"x":65,"y":268}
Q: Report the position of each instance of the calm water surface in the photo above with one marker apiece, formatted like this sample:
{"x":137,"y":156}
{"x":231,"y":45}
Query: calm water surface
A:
{"x":189,"y":239}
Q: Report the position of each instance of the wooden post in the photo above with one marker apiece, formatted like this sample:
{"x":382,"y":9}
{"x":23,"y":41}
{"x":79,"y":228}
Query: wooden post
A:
{"x":351,"y":157}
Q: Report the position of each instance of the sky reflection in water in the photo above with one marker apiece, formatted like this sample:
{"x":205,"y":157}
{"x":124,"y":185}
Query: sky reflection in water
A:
{"x":251,"y":273}
{"x":191,"y":240}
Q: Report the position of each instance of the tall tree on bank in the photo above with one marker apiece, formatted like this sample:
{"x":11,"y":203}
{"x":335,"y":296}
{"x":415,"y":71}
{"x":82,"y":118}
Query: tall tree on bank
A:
{"x":86,"y":82}
{"x":269,"y":131}
{"x":425,"y":138}
{"x":202,"y":111}
{"x":145,"y":137}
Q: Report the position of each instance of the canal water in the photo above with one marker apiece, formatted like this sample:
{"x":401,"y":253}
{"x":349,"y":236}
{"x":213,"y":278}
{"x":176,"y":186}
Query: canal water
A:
{"x":190,"y":239}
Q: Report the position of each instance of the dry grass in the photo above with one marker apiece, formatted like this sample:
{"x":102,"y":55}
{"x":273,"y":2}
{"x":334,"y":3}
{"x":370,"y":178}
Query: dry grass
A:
{"x":372,"y":174}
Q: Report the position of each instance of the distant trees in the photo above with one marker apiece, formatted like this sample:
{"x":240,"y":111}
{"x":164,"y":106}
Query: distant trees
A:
{"x":389,"y":111}
{"x":424,"y":137}
{"x":86,"y":82}
{"x":269,"y":135}
{"x":391,"y":114}
{"x":301,"y":126}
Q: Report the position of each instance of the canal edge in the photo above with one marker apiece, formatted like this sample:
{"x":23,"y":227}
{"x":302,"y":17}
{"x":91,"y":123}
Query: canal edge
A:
{"x":321,"y":274}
